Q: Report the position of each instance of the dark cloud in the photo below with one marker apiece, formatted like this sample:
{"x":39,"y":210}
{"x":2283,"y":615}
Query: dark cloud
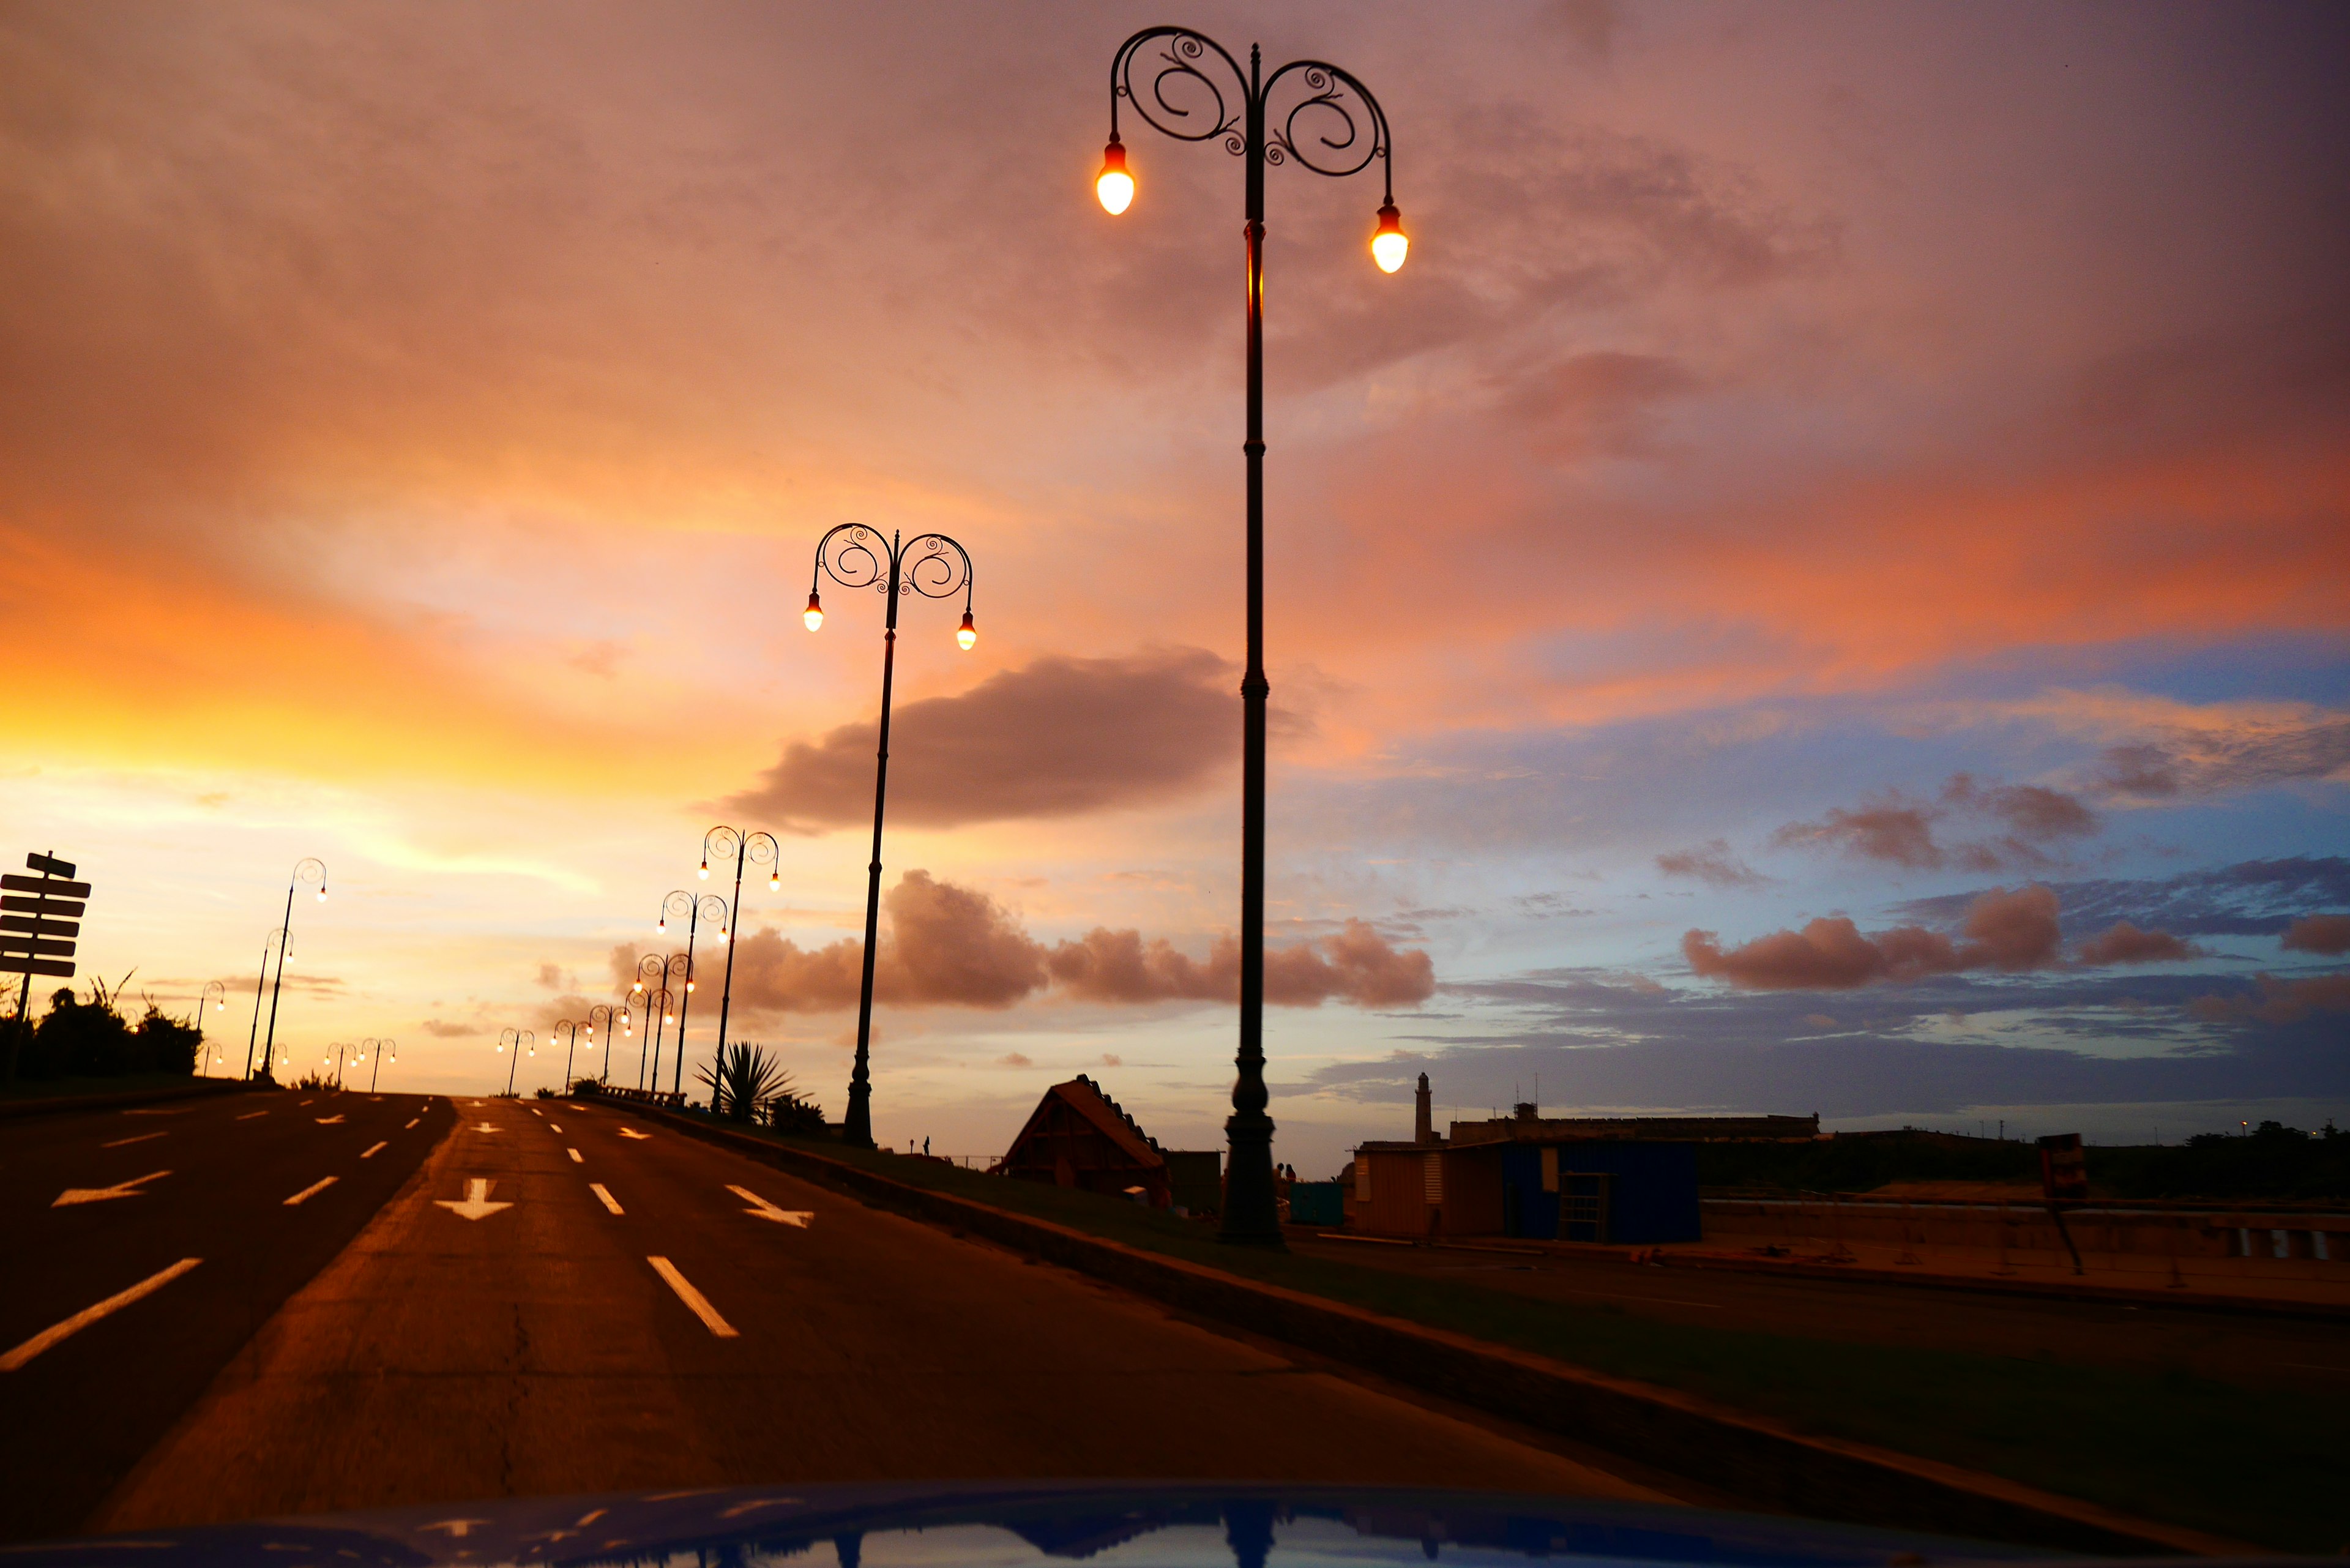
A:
{"x":2198,"y":765}
{"x":2275,"y":1001}
{"x":2251,"y":898}
{"x":2003,"y":930}
{"x":2123,"y":942}
{"x":1056,"y":738}
{"x":1712,"y":864}
{"x":950,"y":946}
{"x":1901,"y":832}
{"x":2328,"y":935}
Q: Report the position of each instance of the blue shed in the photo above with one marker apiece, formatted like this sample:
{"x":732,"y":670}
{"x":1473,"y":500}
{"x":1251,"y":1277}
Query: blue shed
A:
{"x":1600,"y":1190}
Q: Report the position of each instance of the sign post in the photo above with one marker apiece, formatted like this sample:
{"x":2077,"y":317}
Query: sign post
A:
{"x":40,"y":921}
{"x":2064,"y":1179}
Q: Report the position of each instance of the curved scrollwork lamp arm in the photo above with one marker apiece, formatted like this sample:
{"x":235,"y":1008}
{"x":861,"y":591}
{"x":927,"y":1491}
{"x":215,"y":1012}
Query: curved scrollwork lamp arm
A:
{"x":1326,"y":87}
{"x":1176,"y":66}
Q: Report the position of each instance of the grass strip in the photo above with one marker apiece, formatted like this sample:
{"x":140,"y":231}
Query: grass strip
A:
{"x":2259,"y":1465}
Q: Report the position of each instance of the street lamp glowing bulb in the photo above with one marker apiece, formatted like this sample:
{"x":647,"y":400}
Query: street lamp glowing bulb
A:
{"x":1390,"y":243}
{"x":968,"y":635}
{"x":813,"y":614}
{"x":775,"y":882}
{"x":1114,"y":185}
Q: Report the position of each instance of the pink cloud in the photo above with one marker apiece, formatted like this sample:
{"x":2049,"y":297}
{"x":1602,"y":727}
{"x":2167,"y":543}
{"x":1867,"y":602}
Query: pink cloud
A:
{"x":2328,"y":935}
{"x":2003,"y":930}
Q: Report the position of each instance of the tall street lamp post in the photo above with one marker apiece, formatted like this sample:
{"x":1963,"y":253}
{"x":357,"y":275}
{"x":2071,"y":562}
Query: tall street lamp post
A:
{"x":1174,"y":81}
{"x":520,"y":1038}
{"x":276,"y":938}
{"x":215,"y":995}
{"x":610,"y":1040}
{"x":570,"y":1033}
{"x":382,"y":1048}
{"x":734,"y":843}
{"x":695,"y":910}
{"x":309,"y":868}
{"x":936,"y":567}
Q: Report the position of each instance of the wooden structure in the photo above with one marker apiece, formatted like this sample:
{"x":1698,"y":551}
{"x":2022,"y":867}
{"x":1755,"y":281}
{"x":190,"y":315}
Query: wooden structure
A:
{"x":1079,"y":1136}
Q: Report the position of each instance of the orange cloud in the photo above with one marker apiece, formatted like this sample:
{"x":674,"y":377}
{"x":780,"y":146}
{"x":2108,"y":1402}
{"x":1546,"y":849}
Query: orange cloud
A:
{"x":2003,"y":930}
{"x":2328,"y":935}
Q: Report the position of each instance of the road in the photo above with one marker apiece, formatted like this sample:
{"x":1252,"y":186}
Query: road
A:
{"x":96,"y":1205}
{"x":2242,"y":1349}
{"x":568,"y":1300}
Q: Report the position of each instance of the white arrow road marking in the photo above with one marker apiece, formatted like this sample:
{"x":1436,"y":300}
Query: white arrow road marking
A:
{"x":87,"y":1315}
{"x":484,"y":1126}
{"x":455,"y":1527}
{"x":142,"y":1138}
{"x":477,"y":1204}
{"x":373,"y":1152}
{"x":250,"y":1114}
{"x":766,"y":1211}
{"x":575,"y":1156}
{"x":694,"y":1299}
{"x":329,"y":1121}
{"x":312,"y":1190}
{"x":631,"y":1132}
{"x":73,"y":1195}
{"x":609,"y":1202}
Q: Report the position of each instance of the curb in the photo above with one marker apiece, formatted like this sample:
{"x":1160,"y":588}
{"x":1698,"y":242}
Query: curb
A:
{"x":1751,"y":1457}
{"x":12,"y":1109}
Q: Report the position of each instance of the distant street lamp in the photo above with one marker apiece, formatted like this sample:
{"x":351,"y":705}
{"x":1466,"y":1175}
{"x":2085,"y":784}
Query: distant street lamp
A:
{"x":1167,"y":89}
{"x":276,"y":938}
{"x":609,"y":1012}
{"x":682,"y":904}
{"x":216,"y":994}
{"x":570,"y":1033}
{"x":660,"y":1007}
{"x":936,"y":567}
{"x":521,"y":1038}
{"x":309,"y":868}
{"x":732,"y":843}
{"x":653,"y":973}
{"x":382,"y":1048}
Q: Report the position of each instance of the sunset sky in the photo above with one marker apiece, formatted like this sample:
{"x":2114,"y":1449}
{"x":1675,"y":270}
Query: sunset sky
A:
{"x":1822,"y":585}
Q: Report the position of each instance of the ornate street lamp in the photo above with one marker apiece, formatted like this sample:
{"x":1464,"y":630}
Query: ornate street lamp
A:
{"x":382,"y":1048}
{"x":609,"y":1012}
{"x":936,"y":567}
{"x":215,"y":995}
{"x":276,"y":938}
{"x":522,"y":1039}
{"x":734,"y":843}
{"x":682,"y":905}
{"x":653,"y":974}
{"x":309,"y":868}
{"x":570,"y":1033}
{"x":1174,"y":81}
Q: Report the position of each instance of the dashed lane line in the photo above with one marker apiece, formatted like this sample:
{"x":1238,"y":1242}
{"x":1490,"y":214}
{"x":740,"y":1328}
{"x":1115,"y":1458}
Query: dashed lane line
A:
{"x":554,"y":1128}
{"x":373,"y":1152}
{"x":91,"y":1315}
{"x":412,"y":1122}
{"x":250,"y":1114}
{"x":698,"y":1303}
{"x":142,"y":1138}
{"x":609,"y":1202}
{"x":312,"y":1190}
{"x":575,"y":1156}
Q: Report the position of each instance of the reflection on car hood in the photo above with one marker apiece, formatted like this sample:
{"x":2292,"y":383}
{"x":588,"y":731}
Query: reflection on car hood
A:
{"x":1116,"y":1525}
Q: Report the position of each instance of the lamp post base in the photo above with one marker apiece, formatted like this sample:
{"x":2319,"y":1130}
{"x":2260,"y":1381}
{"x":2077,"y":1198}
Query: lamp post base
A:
{"x":857,"y":1126}
{"x":1250,"y":1219}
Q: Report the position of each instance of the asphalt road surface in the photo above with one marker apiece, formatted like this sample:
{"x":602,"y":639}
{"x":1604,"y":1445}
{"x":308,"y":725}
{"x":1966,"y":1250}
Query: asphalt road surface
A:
{"x":217,"y":1209}
{"x":570,"y":1300}
{"x":2244,"y":1349}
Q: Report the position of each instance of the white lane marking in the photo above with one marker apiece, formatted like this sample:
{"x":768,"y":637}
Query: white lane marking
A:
{"x":575,"y":1156}
{"x":73,"y":1195}
{"x":631,"y":1132}
{"x":553,"y":1128}
{"x":536,"y":1112}
{"x":124,"y":1142}
{"x":484,"y":1126}
{"x":250,"y":1114}
{"x":304,"y":1103}
{"x":312,"y":1190}
{"x":87,"y":1315}
{"x":329,"y":1121}
{"x":412,"y":1122}
{"x":766,"y":1211}
{"x":588,"y":1519}
{"x":694,"y":1299}
{"x":373,"y":1152}
{"x":609,"y":1202}
{"x":477,"y":1204}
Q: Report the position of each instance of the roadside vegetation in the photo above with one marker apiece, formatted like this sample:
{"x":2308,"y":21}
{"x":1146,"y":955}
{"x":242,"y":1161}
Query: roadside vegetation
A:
{"x":87,"y":1037}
